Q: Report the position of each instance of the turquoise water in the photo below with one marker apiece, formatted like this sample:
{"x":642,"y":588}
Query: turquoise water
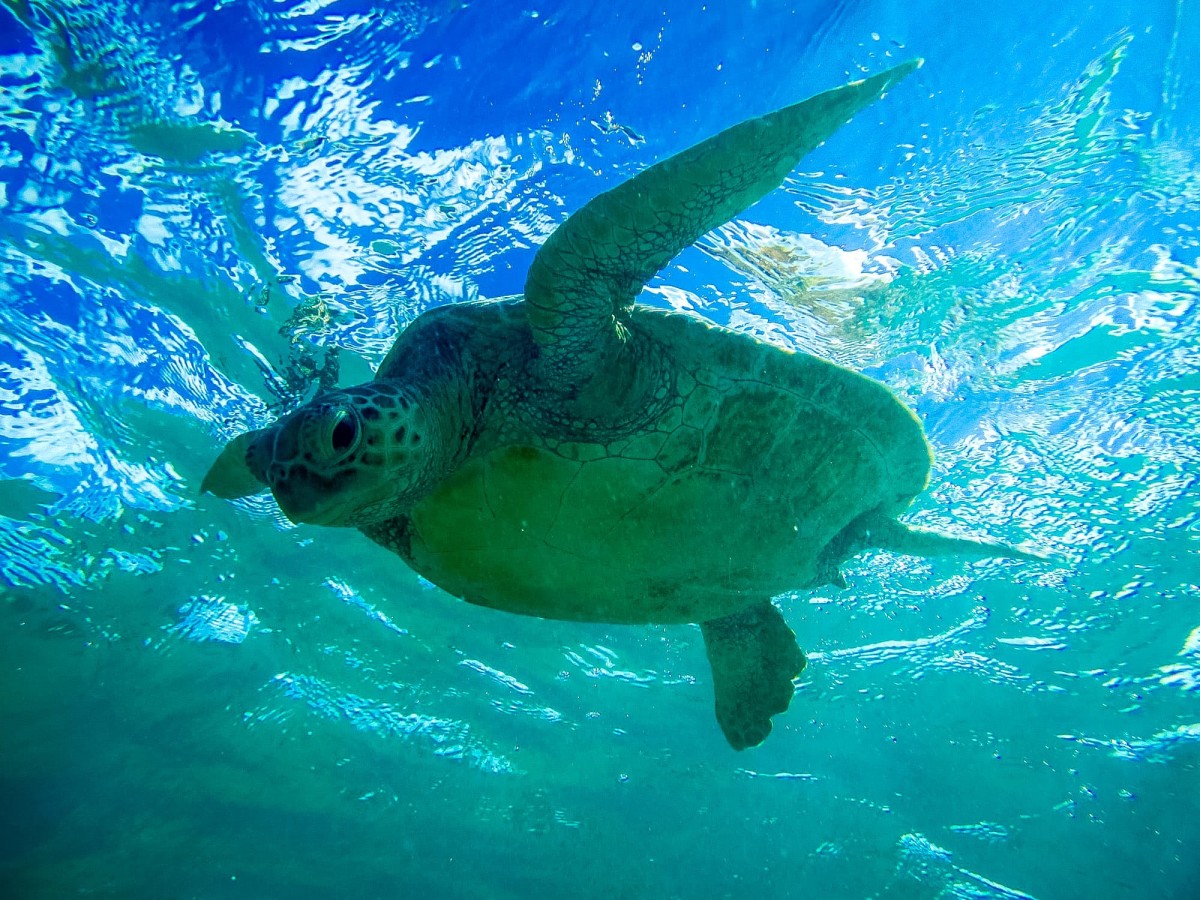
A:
{"x":211,"y":210}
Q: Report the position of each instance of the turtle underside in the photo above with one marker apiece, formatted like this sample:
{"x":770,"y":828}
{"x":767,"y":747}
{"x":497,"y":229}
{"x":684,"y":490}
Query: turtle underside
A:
{"x":753,"y":475}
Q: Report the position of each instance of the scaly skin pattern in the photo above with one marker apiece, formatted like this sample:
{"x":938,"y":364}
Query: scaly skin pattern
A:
{"x":716,"y":476}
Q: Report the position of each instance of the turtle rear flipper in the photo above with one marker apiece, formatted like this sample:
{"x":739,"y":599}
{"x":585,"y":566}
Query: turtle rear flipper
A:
{"x":754,"y":657}
{"x":886,"y":533}
{"x":584,"y":279}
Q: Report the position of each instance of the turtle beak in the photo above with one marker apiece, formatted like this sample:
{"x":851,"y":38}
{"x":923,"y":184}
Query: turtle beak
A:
{"x":234,"y":474}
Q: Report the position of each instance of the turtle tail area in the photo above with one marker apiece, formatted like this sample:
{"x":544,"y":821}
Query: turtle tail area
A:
{"x":889,"y":534}
{"x":754,"y":657}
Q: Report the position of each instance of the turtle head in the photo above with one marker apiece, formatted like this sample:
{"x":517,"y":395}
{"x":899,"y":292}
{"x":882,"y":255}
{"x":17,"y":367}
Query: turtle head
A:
{"x":348,"y":457}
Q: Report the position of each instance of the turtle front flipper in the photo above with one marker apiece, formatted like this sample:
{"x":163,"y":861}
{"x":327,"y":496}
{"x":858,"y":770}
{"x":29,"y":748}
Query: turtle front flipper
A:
{"x":754,"y":657}
{"x":230,"y":475}
{"x":584,"y":279}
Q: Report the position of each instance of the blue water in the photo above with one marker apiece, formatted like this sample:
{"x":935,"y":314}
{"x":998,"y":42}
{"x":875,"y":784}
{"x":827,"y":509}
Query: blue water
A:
{"x":210,"y":210}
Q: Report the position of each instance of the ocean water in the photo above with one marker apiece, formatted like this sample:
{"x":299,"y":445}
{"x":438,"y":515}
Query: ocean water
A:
{"x":211,"y":209}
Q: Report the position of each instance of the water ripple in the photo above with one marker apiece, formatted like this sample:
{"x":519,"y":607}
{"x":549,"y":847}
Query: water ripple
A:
{"x":348,"y":595}
{"x":449,"y":738}
{"x":214,"y":619}
{"x":497,"y":676}
{"x":1158,"y":748}
{"x":33,"y":555}
{"x":601,"y":662}
{"x":925,"y":861}
{"x":988,"y":832}
{"x":926,"y":647}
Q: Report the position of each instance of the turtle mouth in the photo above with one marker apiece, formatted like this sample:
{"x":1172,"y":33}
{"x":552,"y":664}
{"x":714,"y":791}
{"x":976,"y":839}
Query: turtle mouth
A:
{"x":307,"y":513}
{"x":311,"y":498}
{"x":305,"y":501}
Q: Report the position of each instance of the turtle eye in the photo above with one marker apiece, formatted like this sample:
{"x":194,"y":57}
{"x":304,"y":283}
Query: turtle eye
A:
{"x":344,"y":435}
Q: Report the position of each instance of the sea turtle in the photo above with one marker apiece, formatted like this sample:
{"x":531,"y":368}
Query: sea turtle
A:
{"x":573,"y":455}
